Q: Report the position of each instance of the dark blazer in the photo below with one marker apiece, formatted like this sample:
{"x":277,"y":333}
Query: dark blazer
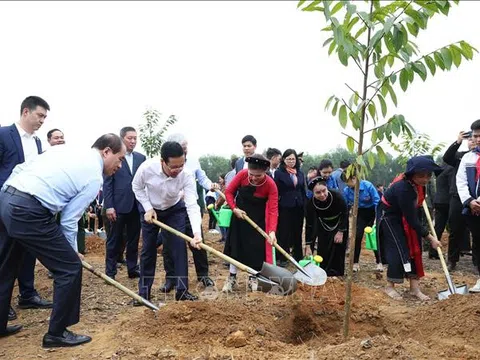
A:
{"x":11,"y":151}
{"x":288,"y":195}
{"x":443,"y":184}
{"x":117,"y":189}
{"x":239,"y":164}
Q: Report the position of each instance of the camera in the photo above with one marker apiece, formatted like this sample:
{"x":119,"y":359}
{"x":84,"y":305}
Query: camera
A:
{"x":467,"y":134}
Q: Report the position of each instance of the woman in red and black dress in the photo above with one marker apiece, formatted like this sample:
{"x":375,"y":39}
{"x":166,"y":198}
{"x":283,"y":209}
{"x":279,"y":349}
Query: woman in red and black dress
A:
{"x":255,"y":194}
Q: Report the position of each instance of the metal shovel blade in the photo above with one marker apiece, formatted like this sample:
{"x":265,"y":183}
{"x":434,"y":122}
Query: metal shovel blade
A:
{"x":285,"y":282}
{"x":317,"y":277}
{"x":461,"y":290}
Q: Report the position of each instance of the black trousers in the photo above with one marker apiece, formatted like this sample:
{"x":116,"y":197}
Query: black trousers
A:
{"x":474,"y":225}
{"x":458,"y":229}
{"x":366,"y":217}
{"x":26,"y":226}
{"x":289,"y":231}
{"x":175,"y":218}
{"x":441,"y":220}
{"x":130,"y":222}
{"x":200,"y":257}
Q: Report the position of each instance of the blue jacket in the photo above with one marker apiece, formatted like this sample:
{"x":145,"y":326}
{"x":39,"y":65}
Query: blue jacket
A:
{"x":117,"y":189}
{"x":11,"y":151}
{"x":332,"y":183}
{"x":368,"y":196}
{"x":290,"y":196}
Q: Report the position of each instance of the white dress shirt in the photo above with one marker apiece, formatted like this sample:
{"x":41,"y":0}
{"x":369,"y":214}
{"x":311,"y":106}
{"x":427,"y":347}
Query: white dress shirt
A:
{"x":155,"y":190}
{"x":129,"y":159}
{"x":63,"y":179}
{"x":193,"y":165}
{"x":29,"y":145}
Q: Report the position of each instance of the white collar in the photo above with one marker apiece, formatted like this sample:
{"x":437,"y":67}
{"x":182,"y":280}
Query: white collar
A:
{"x":23,"y":133}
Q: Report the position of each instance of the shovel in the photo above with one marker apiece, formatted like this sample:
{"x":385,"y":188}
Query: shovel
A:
{"x":310,"y":274}
{"x":452,"y":289}
{"x":271,"y":279}
{"x":119,"y":286}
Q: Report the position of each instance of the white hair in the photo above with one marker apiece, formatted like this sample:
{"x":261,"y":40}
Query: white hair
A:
{"x":179,"y":138}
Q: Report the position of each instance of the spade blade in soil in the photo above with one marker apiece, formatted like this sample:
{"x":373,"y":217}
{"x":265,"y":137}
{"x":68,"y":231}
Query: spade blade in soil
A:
{"x":461,"y":290}
{"x":317,"y":277}
{"x":285,"y":282}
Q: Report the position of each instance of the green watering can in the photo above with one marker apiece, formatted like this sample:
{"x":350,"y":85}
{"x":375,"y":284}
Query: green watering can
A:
{"x":316,"y":260}
{"x":223,"y":216}
{"x":371,"y":238}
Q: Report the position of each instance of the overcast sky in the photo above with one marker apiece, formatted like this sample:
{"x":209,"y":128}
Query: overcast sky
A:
{"x":225,"y":69}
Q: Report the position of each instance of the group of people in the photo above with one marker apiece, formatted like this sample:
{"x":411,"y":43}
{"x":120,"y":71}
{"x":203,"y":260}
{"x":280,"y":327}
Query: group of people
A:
{"x":44,"y":195}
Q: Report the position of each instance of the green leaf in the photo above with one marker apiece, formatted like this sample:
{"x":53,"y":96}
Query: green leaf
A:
{"x":331,"y":47}
{"x":388,"y":40}
{"x":352,"y":23}
{"x":360,"y":160}
{"x":328,"y":41}
{"x":351,"y":9}
{"x":467,"y":50}
{"x":326,"y":10}
{"x":404,"y":79}
{"x":335,"y":107}
{"x":420,"y":69}
{"x":372,"y":110}
{"x":360,"y":32}
{"x":390,"y":60}
{"x":395,"y":126}
{"x":337,"y":8}
{"x":416,"y":17}
{"x":456,"y":55}
{"x":439,"y":60}
{"x":313,"y":6}
{"x":392,"y":95}
{"x":342,"y":116}
{"x":350,"y":144}
{"x":379,"y":71}
{"x":383,"y":105}
{"x":371,"y":159}
{"x":374,"y":40}
{"x":342,"y":56}
{"x":374,"y":136}
{"x":393,"y":78}
{"x":398,"y":37}
{"x":413,"y":28}
{"x":300,"y":3}
{"x":447,"y":58}
{"x":388,"y":24}
{"x":327,"y":105}
{"x":381,"y":155}
{"x":431,"y":64}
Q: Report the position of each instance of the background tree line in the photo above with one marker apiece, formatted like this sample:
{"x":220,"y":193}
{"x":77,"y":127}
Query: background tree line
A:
{"x":215,"y":165}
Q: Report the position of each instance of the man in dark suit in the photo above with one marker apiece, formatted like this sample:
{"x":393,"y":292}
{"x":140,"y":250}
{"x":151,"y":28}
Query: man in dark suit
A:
{"x":122,"y":208}
{"x":18,"y":144}
{"x":249,"y":145}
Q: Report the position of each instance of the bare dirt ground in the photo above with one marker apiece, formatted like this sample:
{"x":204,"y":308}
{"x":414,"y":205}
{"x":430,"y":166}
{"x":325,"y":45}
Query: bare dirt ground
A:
{"x":249,"y":325}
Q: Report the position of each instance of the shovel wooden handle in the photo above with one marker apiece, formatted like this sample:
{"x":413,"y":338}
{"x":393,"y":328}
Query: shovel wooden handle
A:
{"x":439,"y":249}
{"x":206,"y":248}
{"x":119,"y":286}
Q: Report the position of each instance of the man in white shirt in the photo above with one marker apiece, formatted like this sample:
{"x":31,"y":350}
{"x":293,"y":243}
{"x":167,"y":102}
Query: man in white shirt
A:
{"x":200,"y":258}
{"x":167,"y":192}
{"x":62,"y":180}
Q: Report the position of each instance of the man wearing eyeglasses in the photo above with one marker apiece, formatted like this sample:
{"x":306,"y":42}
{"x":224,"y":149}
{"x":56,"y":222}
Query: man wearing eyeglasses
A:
{"x":159,"y":186}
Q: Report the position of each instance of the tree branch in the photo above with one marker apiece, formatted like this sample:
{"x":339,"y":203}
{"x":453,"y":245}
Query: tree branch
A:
{"x":349,"y":136}
{"x":354,"y":91}
{"x":376,"y":127}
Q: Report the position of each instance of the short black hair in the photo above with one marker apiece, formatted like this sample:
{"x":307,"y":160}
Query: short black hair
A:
{"x":171,"y":149}
{"x":344,"y":164}
{"x":312,"y":168}
{"x":49,"y":134}
{"x":126,"y":129}
{"x":249,"y":138}
{"x":475,"y":125}
{"x":32,"y":102}
{"x":271,"y":152}
{"x":324,"y":164}
{"x":113,"y":141}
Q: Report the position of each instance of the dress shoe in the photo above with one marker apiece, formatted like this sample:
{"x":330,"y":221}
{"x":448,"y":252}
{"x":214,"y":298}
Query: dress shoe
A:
{"x":167,"y":287}
{"x":12,"y":315}
{"x":207,"y":281}
{"x":10,"y":330}
{"x":67,"y":339}
{"x":35,"y":302}
{"x":134,"y":274}
{"x":185,"y":296}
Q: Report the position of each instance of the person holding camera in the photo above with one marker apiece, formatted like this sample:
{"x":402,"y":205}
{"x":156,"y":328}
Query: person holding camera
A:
{"x":456,"y":221}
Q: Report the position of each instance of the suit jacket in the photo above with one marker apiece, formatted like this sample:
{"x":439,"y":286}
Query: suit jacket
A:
{"x":11,"y":151}
{"x":117,"y":189}
{"x":239,"y":164}
{"x":290,"y":196}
